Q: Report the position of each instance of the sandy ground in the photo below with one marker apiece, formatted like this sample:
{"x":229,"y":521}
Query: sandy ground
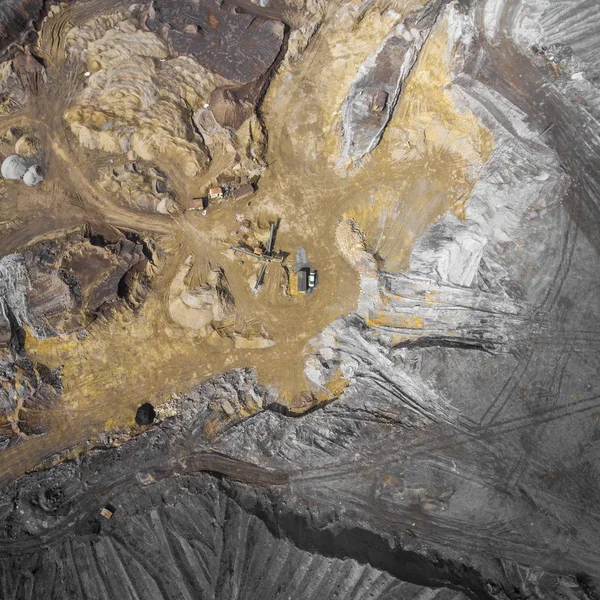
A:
{"x":145,"y":355}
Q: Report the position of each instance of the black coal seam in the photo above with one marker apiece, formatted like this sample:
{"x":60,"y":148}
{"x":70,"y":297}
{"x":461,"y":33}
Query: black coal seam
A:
{"x":441,"y":342}
{"x":17,"y":338}
{"x":587,"y":585}
{"x":286,"y":411}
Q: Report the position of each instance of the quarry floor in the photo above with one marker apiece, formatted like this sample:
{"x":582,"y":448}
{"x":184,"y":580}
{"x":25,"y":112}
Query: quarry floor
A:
{"x":464,"y":456}
{"x":119,"y":364}
{"x":145,"y":356}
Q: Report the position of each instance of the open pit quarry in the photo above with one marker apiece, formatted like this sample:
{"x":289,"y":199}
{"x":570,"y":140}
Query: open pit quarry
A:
{"x":300,"y":300}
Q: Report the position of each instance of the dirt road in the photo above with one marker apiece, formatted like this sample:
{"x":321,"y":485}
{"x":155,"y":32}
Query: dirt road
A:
{"x":88,"y":502}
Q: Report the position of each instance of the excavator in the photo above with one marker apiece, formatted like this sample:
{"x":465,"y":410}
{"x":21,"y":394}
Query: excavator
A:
{"x":266,"y":256}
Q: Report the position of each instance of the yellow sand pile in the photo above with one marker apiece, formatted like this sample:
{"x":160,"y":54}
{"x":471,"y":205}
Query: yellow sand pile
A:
{"x":136,"y":100}
{"x":199,"y":307}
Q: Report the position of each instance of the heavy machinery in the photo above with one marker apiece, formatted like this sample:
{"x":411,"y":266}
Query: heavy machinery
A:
{"x":266,"y":256}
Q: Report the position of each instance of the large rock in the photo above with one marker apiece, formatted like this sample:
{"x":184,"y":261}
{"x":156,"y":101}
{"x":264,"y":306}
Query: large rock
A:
{"x":34,"y":176}
{"x":14,"y":167}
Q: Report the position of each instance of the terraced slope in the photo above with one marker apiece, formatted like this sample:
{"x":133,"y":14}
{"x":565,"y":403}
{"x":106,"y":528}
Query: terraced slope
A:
{"x":180,"y":537}
{"x":572,"y":24}
{"x":186,"y":539}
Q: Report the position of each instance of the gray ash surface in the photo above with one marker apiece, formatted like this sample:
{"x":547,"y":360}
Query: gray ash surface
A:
{"x":179,"y":530}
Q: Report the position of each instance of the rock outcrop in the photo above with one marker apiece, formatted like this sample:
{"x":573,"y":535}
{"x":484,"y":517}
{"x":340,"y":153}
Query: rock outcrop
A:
{"x":17,"y":20}
{"x":237,"y":46}
{"x":381,"y":75}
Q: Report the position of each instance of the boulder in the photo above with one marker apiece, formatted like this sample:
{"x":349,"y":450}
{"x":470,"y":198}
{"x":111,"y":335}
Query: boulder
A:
{"x":14,"y":167}
{"x":33,"y":176}
{"x":230,"y":110}
{"x":145,"y":414}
